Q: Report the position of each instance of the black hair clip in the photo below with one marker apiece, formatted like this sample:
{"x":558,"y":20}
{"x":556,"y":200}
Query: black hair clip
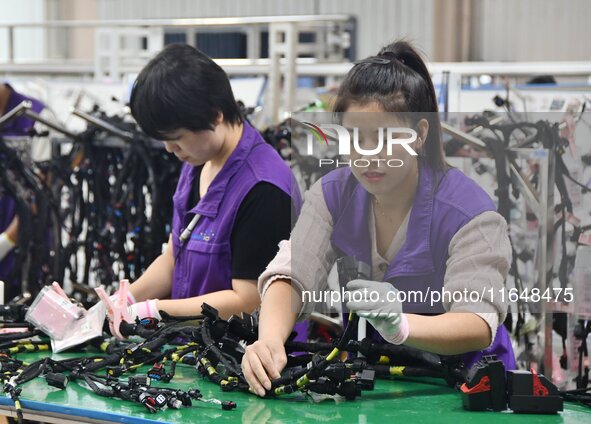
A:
{"x":374,"y":59}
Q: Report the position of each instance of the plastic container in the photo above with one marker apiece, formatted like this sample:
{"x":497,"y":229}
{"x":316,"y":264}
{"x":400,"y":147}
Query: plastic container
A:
{"x":53,"y":314}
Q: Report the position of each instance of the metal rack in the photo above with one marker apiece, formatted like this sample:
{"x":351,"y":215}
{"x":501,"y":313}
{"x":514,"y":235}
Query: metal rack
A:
{"x":124,"y":46}
{"x":541,"y":202}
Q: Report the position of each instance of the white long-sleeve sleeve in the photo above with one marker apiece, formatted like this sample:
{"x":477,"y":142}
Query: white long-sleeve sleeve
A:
{"x":479,"y":260}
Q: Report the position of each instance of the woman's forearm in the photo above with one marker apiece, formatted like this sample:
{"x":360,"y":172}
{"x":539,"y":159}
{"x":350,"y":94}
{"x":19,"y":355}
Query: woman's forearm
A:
{"x":242,"y":298}
{"x":451,"y":333}
{"x":156,"y":281}
{"x":279,"y":311}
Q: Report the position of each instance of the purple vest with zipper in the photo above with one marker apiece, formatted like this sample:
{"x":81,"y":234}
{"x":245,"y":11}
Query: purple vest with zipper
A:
{"x":20,"y":126}
{"x":204,"y":263}
{"x":436,"y":216}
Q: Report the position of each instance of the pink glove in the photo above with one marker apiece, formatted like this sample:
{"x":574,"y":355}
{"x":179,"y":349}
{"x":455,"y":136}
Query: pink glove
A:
{"x":147,"y":309}
{"x":130,"y":298}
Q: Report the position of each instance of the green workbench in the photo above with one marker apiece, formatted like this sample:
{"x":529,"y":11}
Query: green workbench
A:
{"x":391,"y":401}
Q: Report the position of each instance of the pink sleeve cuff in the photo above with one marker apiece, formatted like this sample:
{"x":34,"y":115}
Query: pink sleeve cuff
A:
{"x":130,"y":298}
{"x":147,"y":309}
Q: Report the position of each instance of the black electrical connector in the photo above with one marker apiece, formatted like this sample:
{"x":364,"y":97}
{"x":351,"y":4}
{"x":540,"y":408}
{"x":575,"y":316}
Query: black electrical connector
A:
{"x":161,"y":400}
{"x":366,"y":379}
{"x":174,"y":403}
{"x":13,"y":312}
{"x":485,"y":386}
{"x":57,"y":380}
{"x":148,"y":323}
{"x":148,"y":401}
{"x":9,"y":366}
{"x":157,"y":372}
{"x":195,"y":394}
{"x":228,"y":405}
{"x":115,"y":370}
{"x":243,"y":327}
{"x":137,"y":381}
{"x":184,"y":397}
{"x":532,"y":393}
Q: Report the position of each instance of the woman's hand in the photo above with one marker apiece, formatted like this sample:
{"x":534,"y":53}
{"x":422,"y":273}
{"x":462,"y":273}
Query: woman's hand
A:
{"x":262,"y":362}
{"x":266,"y":358}
{"x":145,"y":309}
{"x":378,"y":303}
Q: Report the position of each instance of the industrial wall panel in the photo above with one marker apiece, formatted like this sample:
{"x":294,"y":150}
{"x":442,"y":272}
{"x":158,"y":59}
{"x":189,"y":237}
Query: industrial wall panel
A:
{"x":29,"y":44}
{"x":504,"y":30}
{"x":531,"y":30}
{"x":138,"y":9}
{"x":381,"y":21}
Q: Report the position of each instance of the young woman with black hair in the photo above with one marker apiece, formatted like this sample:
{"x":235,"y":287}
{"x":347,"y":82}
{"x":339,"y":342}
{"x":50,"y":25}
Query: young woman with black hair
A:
{"x":422,"y":226}
{"x":233,"y":201}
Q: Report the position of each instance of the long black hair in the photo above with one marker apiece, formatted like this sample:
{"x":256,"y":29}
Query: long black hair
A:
{"x":398,"y":80}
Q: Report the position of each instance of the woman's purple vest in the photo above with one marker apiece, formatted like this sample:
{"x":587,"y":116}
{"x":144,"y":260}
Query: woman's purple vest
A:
{"x":204,"y":263}
{"x":444,"y":203}
{"x":21,"y":126}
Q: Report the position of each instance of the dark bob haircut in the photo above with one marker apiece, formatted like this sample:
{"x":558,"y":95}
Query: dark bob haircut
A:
{"x":398,"y":80}
{"x":181,"y":87}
